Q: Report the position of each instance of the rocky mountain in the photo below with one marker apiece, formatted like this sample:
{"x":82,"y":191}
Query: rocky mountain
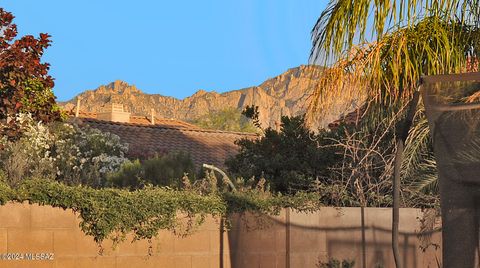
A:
{"x":286,"y":94}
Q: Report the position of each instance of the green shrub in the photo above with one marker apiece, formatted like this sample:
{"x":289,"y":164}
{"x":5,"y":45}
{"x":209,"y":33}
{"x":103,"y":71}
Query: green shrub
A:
{"x":130,"y":175}
{"x":289,"y":159}
{"x":169,"y":169}
{"x":166,"y":170}
{"x":350,"y":166}
{"x":229,"y":119}
{"x":6,"y":193}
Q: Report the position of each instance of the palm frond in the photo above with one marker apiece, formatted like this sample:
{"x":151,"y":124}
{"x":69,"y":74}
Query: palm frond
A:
{"x":426,"y":177}
{"x":410,"y":38}
{"x":418,"y":147}
{"x":346,"y":21}
{"x":386,"y":72}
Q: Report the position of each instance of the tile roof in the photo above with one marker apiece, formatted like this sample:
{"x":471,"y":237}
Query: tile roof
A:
{"x":145,"y":120}
{"x":141,"y":120}
{"x":204,"y":146}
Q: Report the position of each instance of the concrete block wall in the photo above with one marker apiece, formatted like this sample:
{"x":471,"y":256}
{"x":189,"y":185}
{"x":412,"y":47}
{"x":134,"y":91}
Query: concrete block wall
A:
{"x":304,"y":240}
{"x":288,"y":240}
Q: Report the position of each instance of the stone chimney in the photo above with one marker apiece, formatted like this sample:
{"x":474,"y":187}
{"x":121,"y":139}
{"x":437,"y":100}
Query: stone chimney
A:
{"x":115,"y":113}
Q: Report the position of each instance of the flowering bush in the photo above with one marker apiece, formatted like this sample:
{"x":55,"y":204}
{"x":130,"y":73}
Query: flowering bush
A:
{"x":61,"y":151}
{"x":86,"y":155}
{"x":29,"y":156}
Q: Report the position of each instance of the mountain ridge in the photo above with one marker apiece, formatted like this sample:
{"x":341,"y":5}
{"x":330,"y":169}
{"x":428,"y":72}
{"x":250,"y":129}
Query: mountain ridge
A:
{"x":285,"y":94}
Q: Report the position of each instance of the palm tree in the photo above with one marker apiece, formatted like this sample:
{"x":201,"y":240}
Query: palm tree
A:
{"x":422,"y":37}
{"x":410,"y":38}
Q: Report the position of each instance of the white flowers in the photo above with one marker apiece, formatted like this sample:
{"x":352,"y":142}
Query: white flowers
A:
{"x":36,"y":136}
{"x":77,"y":155}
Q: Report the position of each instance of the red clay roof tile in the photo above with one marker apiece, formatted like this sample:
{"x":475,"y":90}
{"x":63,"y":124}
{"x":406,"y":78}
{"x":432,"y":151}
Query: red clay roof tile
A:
{"x":204,"y":146}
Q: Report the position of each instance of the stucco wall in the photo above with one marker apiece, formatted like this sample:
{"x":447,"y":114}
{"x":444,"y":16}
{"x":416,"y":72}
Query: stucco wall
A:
{"x":289,"y":240}
{"x":302,"y":240}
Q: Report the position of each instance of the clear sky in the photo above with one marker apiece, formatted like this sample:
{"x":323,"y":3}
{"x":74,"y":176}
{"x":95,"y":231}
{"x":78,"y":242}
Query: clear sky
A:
{"x":172,"y":48}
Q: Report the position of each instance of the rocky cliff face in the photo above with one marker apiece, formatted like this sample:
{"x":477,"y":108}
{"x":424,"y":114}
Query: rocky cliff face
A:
{"x":286,"y":94}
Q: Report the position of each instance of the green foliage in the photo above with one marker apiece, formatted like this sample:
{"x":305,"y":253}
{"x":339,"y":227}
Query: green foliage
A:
{"x":343,"y":23}
{"x":229,"y":119}
{"x":290,"y":160}
{"x":37,"y":99}
{"x":112,"y":213}
{"x":270,"y":204}
{"x":350,"y":166}
{"x":28,"y":155}
{"x":258,"y":199}
{"x":252,"y":113}
{"x":166,"y":170}
{"x":130,"y":175}
{"x":419,"y":168}
{"x":6,"y":193}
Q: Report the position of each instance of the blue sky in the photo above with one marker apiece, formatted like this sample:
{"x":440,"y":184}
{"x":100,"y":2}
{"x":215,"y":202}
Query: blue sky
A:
{"x":172,"y":48}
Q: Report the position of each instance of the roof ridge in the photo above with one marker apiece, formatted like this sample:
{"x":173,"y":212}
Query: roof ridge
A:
{"x":184,"y":128}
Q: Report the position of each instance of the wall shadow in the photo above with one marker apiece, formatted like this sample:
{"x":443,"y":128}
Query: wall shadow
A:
{"x":301,"y":241}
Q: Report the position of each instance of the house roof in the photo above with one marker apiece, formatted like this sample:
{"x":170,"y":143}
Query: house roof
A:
{"x":204,"y":146}
{"x":145,"y":120}
{"x":141,"y":120}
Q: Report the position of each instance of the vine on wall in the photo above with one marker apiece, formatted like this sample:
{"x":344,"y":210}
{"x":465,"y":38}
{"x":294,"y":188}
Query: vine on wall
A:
{"x":109,"y":213}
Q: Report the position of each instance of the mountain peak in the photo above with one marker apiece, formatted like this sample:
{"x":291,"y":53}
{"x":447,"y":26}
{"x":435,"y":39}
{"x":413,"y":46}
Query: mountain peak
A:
{"x":282,"y":95}
{"x":199,"y":93}
{"x":118,"y":87}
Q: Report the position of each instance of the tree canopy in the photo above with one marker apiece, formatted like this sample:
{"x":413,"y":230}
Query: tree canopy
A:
{"x":25,"y":85}
{"x":290,"y":159}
